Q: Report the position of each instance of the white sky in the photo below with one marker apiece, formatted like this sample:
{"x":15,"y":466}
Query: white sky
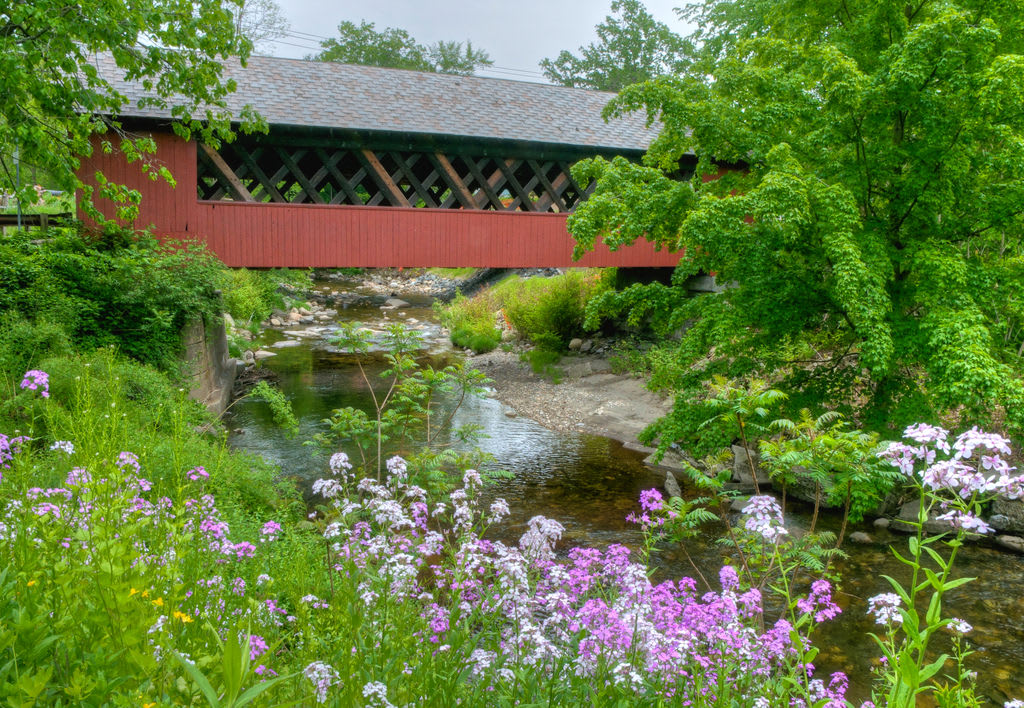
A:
{"x":516,"y":33}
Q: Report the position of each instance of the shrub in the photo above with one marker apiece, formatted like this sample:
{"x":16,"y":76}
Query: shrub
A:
{"x":251,"y":295}
{"x":547,"y":311}
{"x":135,"y":296}
{"x":472,"y":322}
{"x":550,"y":306}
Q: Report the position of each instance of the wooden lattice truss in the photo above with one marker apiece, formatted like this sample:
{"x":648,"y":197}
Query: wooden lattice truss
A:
{"x":267,"y":172}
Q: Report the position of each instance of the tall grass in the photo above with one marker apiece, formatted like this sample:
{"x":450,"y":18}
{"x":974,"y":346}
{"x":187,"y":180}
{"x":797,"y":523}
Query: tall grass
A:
{"x":548,"y":312}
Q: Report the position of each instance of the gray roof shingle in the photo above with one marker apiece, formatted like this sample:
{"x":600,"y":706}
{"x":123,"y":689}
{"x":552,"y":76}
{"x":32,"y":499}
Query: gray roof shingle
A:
{"x":295,"y":92}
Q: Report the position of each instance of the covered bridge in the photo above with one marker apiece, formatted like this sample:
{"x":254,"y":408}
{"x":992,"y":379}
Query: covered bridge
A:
{"x":371,"y":167}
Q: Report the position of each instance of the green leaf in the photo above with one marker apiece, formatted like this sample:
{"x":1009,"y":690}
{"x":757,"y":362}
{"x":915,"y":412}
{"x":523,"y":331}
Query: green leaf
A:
{"x":200,"y":679}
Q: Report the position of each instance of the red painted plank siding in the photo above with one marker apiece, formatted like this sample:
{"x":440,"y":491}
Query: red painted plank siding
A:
{"x":260,"y":235}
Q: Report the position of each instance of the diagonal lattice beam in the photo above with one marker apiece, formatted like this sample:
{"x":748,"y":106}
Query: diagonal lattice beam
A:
{"x":226,"y":174}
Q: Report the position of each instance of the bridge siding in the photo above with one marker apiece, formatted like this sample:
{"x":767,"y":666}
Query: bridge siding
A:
{"x":258,"y":235}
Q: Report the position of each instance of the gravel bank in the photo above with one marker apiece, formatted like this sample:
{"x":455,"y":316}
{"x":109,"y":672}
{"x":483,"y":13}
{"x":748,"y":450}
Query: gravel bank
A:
{"x":589,"y":399}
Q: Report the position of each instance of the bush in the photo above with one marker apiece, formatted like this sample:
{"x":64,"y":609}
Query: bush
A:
{"x":547,"y":311}
{"x":472,"y":322}
{"x":251,"y":295}
{"x":128,"y":292}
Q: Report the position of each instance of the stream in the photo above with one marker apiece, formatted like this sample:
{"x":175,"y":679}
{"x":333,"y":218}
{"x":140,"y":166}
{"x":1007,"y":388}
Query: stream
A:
{"x":590,"y":484}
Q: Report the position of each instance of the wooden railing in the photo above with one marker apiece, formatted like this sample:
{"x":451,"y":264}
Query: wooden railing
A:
{"x":27,"y":221}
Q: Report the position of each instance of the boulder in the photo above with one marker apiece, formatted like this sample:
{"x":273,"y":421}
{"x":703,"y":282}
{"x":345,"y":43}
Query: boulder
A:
{"x":229,"y":321}
{"x":1008,"y":515}
{"x":882,"y":523}
{"x":672,"y":486}
{"x":1013,"y":543}
{"x":395,"y":302}
{"x":575,"y":344}
{"x":861,"y":537}
{"x":261,"y":354}
{"x":671,"y":461}
{"x":739,"y":504}
{"x":909,"y":512}
{"x":741,"y":468}
{"x":249,"y":357}
{"x":275,"y":322}
{"x":586,"y":346}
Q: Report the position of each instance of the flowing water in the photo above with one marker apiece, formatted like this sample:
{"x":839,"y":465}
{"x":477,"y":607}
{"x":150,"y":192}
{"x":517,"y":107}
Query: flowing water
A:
{"x":591,"y":483}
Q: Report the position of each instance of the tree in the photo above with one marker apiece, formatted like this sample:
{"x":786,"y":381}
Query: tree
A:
{"x":52,"y":98}
{"x":632,"y":47}
{"x":868,"y":206}
{"x":396,"y":49}
{"x":261,"y":22}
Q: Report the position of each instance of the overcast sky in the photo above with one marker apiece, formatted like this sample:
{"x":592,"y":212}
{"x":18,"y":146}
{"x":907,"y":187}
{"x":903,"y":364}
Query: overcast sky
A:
{"x":516,"y":33}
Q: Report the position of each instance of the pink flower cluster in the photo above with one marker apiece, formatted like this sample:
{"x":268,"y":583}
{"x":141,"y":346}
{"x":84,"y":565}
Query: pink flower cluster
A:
{"x":963,"y":474}
{"x":583,"y":613}
{"x":36,"y":380}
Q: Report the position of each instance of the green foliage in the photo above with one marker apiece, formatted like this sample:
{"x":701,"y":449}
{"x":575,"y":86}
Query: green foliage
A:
{"x":453,"y":273}
{"x":406,"y":408}
{"x":549,"y":310}
{"x":471,"y":322}
{"x":395,"y":48}
{"x":843,"y":465}
{"x":53,"y":99}
{"x":543,"y":357}
{"x":632,"y":47}
{"x":867,"y":206}
{"x":250,"y":295}
{"x":135,"y":297}
{"x":280,"y":407}
{"x":91,"y":604}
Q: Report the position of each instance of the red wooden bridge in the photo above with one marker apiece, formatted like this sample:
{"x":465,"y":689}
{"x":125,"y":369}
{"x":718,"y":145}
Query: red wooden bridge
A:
{"x":371,"y":167}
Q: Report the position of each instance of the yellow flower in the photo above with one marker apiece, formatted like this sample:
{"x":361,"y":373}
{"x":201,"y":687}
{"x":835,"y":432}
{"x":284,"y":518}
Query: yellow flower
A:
{"x":183,"y":617}
{"x":148,"y":705}
{"x":31,"y":583}
{"x":145,"y":593}
{"x":159,"y":602}
{"x":131,"y":592}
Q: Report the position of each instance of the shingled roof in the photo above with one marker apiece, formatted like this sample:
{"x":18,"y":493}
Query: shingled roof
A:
{"x":309,"y":94}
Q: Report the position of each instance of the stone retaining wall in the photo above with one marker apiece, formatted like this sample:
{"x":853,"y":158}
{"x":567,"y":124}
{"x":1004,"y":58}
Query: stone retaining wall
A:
{"x":212,"y":371}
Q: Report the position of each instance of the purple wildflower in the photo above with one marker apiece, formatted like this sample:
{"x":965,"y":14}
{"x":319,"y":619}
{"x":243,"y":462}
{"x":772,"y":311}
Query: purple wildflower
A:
{"x":270,"y":531}
{"x":257,"y":646}
{"x":765,"y":518}
{"x":65,"y":446}
{"x":129,"y":459}
{"x":322,"y":676}
{"x":885,"y":608}
{"x":651,"y":500}
{"x":77,"y":477}
{"x":959,"y":626}
{"x":36,"y":380}
{"x":819,"y":603}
